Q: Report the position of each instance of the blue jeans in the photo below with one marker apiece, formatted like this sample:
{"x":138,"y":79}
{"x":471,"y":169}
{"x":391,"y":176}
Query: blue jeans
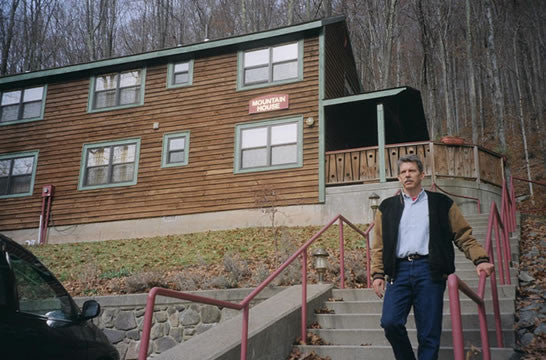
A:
{"x":413,"y":287}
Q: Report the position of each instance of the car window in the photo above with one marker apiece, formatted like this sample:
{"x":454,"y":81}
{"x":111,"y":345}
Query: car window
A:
{"x":37,"y":293}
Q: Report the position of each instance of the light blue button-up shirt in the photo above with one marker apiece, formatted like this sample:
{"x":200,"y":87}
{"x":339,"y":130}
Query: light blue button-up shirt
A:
{"x":413,"y":231}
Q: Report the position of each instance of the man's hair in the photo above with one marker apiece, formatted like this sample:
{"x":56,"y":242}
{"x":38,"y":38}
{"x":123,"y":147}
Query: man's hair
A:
{"x":411,"y":158}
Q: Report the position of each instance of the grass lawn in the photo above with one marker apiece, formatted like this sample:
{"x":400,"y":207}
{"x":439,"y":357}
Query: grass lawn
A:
{"x":189,"y":261}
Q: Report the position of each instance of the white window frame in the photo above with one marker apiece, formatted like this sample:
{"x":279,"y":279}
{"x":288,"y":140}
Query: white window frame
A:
{"x":239,"y":128}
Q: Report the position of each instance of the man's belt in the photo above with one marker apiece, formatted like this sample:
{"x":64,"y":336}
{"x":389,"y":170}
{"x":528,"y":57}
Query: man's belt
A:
{"x":412,"y":257}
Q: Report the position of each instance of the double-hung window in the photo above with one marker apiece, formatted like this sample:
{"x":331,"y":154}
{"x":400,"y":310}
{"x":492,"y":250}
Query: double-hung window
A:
{"x":17,"y":172}
{"x":22,"y":105}
{"x":175,"y":149}
{"x":117,"y":90}
{"x":269,"y":145}
{"x":109,"y":164}
{"x":180,"y":74}
{"x":272,"y":65}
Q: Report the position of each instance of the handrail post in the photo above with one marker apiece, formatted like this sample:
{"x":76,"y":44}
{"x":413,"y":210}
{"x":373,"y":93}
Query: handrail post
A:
{"x":304,"y":297}
{"x":244,"y":335}
{"x":147,"y":325}
{"x":341,"y":256}
{"x":456,"y":320}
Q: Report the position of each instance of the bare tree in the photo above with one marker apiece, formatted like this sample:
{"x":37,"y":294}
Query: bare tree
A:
{"x":6,"y":33}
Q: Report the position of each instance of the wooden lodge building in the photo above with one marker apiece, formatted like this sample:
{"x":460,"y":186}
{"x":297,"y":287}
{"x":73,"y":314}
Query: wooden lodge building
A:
{"x":203,"y":136}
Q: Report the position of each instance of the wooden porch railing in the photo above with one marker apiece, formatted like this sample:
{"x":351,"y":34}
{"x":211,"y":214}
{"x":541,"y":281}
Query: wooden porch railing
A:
{"x":472,"y":162}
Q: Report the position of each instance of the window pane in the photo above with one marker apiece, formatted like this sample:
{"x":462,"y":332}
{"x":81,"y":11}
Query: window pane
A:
{"x":176,"y":157}
{"x":23,"y":166}
{"x":98,"y":156}
{"x":177,"y":143}
{"x":97,"y":176}
{"x":285,"y":71}
{"x":11,"y":97}
{"x":257,"y":57}
{"x":129,"y":96}
{"x":181,"y":67}
{"x":254,"y":158}
{"x":256,"y":75}
{"x":20,"y":184}
{"x":254,"y":137}
{"x":4,"y":185}
{"x":285,"y":154}
{"x":181,"y":78}
{"x":105,"y":99}
{"x":31,"y":110}
{"x":283,"y":134}
{"x":4,"y":167}
{"x":130,"y":78}
{"x":10,"y":113}
{"x":285,"y":52}
{"x":33,"y":94}
{"x":106,"y":82}
{"x":124,"y":154}
{"x":123,"y":173}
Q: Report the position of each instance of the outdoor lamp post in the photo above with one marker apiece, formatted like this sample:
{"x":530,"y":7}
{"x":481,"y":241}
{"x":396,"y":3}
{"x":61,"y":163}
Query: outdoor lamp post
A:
{"x":374,"y":203}
{"x":321,"y":262}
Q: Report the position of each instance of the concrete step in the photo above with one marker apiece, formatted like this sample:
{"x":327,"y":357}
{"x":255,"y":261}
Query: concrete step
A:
{"x":376,"y":336}
{"x":504,"y":291}
{"x":374,"y":306}
{"x":357,"y":321}
{"x":352,"y":352}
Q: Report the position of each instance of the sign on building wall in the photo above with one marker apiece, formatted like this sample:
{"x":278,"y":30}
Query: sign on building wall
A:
{"x":266,"y":103}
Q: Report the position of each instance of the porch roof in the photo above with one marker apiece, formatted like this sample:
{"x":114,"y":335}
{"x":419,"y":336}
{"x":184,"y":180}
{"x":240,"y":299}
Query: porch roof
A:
{"x":351,"y":121}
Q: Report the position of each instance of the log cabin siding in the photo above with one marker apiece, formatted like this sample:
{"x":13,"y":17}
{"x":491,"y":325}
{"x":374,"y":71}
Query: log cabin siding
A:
{"x":339,"y":61}
{"x":209,"y":109}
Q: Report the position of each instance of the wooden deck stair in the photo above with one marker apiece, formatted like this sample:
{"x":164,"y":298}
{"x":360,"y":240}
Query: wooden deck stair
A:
{"x":353,"y":329}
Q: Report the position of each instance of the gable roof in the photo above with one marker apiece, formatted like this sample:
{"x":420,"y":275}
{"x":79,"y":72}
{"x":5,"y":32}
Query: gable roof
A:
{"x":166,"y":55}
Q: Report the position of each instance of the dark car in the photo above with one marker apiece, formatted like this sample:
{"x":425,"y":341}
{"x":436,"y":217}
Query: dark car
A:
{"x":38,"y":318}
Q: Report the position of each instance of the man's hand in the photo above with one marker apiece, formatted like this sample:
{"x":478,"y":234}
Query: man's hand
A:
{"x":379,"y":287}
{"x":486,"y":267}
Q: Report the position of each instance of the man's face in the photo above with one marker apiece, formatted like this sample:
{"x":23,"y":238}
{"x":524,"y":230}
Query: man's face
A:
{"x":410,"y":176}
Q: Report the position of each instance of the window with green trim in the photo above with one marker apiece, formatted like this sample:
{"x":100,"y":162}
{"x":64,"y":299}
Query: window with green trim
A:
{"x":271,"y":65}
{"x":22,"y":104}
{"x":175,"y":149}
{"x":17,"y":172}
{"x":109,"y":164}
{"x":180,"y":74}
{"x":117,"y":90}
{"x":269,"y":145}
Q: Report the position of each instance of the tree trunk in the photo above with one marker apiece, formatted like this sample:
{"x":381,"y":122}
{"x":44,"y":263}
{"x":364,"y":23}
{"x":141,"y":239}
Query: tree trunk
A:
{"x":8,"y":37}
{"x":470,"y":72}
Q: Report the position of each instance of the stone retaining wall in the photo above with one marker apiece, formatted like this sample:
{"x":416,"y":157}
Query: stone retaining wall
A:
{"x":174,"y":320}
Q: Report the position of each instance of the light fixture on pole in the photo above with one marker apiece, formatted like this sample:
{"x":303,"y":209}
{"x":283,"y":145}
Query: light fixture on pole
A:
{"x":374,"y":202}
{"x":321,"y":262}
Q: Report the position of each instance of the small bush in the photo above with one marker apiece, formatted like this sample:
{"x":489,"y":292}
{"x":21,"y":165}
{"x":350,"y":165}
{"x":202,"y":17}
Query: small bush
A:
{"x":236,"y":270}
{"x":189,"y":282}
{"x":113,"y":274}
{"x":144,"y":281}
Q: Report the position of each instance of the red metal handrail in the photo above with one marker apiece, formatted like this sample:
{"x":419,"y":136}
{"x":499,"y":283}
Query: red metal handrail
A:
{"x":436,"y":186}
{"x":245,"y":303}
{"x":455,"y":284}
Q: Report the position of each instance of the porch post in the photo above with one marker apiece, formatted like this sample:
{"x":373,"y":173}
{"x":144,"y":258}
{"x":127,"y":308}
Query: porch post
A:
{"x":381,"y":142}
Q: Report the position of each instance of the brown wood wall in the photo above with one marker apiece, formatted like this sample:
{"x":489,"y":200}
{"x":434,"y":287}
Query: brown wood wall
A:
{"x":209,"y":109}
{"x":339,"y":61}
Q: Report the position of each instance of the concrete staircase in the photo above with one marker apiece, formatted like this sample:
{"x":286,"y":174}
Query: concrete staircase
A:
{"x":353,"y":329}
